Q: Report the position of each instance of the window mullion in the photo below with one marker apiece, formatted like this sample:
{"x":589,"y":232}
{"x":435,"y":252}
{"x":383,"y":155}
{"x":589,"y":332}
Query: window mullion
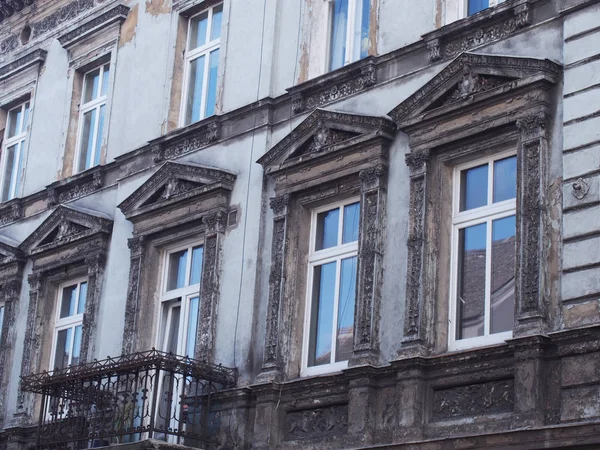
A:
{"x":204,"y":86}
{"x":350,"y":32}
{"x":490,"y":199}
{"x":488,"y":277}
{"x":94,"y":136}
{"x":188,"y":266}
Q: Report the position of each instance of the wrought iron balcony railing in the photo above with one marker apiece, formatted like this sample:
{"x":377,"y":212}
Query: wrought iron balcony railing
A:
{"x":140,"y":396}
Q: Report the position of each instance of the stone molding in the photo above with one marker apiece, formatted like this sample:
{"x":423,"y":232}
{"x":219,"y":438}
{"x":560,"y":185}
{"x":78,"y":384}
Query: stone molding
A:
{"x":350,"y":80}
{"x":194,"y":138}
{"x":422,"y":116}
{"x":328,"y":155}
{"x":95,"y":24}
{"x":475,"y":31}
{"x":68,"y":239}
{"x":11,"y":211}
{"x":194,"y":198}
{"x":10,"y":7}
{"x":37,"y":56}
{"x":75,"y":187}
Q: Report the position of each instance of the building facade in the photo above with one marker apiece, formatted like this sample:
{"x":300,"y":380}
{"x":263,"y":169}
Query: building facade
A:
{"x":328,"y":224}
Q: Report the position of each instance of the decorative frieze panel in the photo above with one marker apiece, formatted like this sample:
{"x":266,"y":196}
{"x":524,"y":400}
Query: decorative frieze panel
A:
{"x":11,"y":211}
{"x":473,"y":400}
{"x":317,"y":422}
{"x":35,"y":57}
{"x":195,"y":139}
{"x":76,"y":187}
{"x":116,"y":14}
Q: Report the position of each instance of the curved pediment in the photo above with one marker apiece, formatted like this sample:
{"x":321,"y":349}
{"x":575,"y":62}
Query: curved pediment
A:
{"x":470,"y":77}
{"x":322,"y":133}
{"x":174,"y":182}
{"x":65,"y":226}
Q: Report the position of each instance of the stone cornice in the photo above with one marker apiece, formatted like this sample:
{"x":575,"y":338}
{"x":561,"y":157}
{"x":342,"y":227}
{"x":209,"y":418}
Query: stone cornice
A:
{"x":78,"y":185}
{"x":37,"y":56}
{"x":94,"y":24}
{"x":9,"y":7}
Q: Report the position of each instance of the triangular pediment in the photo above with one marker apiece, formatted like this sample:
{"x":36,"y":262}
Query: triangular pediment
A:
{"x":63,"y":226}
{"x":471,"y":75}
{"x":9,"y":252}
{"x":321,"y":133}
{"x":174,"y":181}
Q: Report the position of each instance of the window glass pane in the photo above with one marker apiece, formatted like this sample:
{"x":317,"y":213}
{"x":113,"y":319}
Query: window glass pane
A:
{"x":471,"y":282}
{"x":176,"y":276}
{"x":14,"y":122}
{"x":351,"y":220}
{"x":321,"y":321}
{"x":11,"y":174}
{"x":478,"y":5}
{"x":76,"y":346}
{"x":502,"y":302}
{"x":505,"y":179}
{"x":92,"y":81}
{"x":215,"y":32}
{"x":192,"y":328}
{"x":82,"y":297}
{"x":339,"y":26}
{"x":345,"y":323}
{"x":63,"y":348}
{"x":69,"y":301}
{"x":25,"y":118}
{"x":197,"y":255}
{"x":99,"y":137}
{"x":361,"y":30}
{"x":173,"y":330}
{"x":194,"y":96}
{"x":473,"y":187}
{"x":105,"y":79}
{"x":327,"y":229}
{"x":211,"y":95}
{"x":1,"y":318}
{"x":87,"y":140}
{"x":198,"y":29}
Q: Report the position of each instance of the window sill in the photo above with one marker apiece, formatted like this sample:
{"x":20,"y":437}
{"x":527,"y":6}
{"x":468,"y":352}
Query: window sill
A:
{"x":326,"y":369}
{"x":481,"y":341}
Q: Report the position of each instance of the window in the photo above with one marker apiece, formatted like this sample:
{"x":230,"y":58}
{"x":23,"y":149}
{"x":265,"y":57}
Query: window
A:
{"x":13,"y":149}
{"x":180,"y":300}
{"x":484,"y":225}
{"x":92,"y":111}
{"x":349,"y":32}
{"x":68,"y":324}
{"x":332,"y":272}
{"x":202,"y":65}
{"x":474,"y":6}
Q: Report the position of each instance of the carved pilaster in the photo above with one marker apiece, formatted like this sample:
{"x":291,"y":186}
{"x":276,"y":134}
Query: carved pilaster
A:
{"x":531,"y":311}
{"x":370,"y":255}
{"x":137,"y":246}
{"x":413,"y":329}
{"x":30,"y":363}
{"x":9,"y":294}
{"x":435,"y":52}
{"x":271,"y":360}
{"x":215,"y":226}
{"x":95,"y":264}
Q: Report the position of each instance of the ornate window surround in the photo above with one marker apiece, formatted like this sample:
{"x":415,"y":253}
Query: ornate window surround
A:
{"x":70,"y":243}
{"x":478,"y":105}
{"x":329,"y":157}
{"x":177,"y":203}
{"x":12,"y":261}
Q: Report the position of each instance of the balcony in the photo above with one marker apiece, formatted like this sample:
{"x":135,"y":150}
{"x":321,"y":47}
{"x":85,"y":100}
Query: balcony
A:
{"x":147,"y":395}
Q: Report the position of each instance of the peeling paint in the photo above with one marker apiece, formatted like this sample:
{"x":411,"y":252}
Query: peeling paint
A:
{"x":128,"y":28}
{"x":303,"y":72}
{"x":158,"y":7}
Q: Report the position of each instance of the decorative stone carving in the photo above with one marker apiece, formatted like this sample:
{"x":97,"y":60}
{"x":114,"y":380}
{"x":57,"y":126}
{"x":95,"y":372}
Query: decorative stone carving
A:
{"x":9,"y":44}
{"x":195,"y":139}
{"x":279,"y":204}
{"x":433,"y":47}
{"x":209,"y":294}
{"x":354,"y":82}
{"x":580,"y":188}
{"x":328,"y":421}
{"x":37,"y":56}
{"x":11,"y":212}
{"x":215,"y":221}
{"x":371,"y":175}
{"x":473,"y":399}
{"x":136,"y":245}
{"x":473,"y":83}
{"x":75,"y":187}
{"x":9,"y":7}
{"x":532,"y":127}
{"x":62,"y":15}
{"x":118,"y":13}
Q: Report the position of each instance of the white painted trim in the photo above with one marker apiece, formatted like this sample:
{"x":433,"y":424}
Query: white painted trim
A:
{"x":318,"y":258}
{"x":18,"y":140}
{"x":486,"y":214}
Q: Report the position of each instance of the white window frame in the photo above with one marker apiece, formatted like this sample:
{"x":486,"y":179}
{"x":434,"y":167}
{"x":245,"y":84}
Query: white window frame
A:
{"x":185,"y":294}
{"x":20,"y":140}
{"x":2,"y":314}
{"x":464,"y":6}
{"x":66,"y":322}
{"x":460,"y":220}
{"x":318,"y":258}
{"x":350,"y":44}
{"x":84,"y":108}
{"x":191,"y":55}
